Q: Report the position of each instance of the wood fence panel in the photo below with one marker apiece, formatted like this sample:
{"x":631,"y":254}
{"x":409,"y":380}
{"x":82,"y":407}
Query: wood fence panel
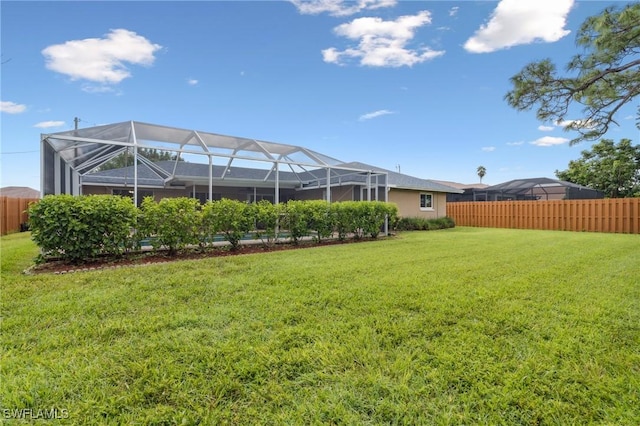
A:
{"x":620,"y":215}
{"x":13,"y":212}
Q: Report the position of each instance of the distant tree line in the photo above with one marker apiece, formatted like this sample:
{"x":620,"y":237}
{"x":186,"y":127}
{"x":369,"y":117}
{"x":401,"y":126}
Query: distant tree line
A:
{"x":611,"y":168}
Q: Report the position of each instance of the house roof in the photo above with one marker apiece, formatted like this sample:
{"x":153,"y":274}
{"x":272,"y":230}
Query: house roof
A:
{"x":19,"y":192}
{"x":402,"y":181}
{"x":164,"y":172}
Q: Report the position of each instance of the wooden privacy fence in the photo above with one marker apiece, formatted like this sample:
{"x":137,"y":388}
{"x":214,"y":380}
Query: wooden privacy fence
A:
{"x":13,"y":213}
{"x":620,"y":215}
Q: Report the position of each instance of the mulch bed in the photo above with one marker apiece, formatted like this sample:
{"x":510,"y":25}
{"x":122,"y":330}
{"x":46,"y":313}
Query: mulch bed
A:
{"x":155,"y":257}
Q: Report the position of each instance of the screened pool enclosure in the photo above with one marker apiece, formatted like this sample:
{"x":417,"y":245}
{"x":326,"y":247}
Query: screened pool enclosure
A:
{"x":200,"y":162}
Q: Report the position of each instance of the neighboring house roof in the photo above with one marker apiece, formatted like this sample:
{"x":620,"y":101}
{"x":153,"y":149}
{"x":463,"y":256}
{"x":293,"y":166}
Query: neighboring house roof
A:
{"x":540,"y":188}
{"x":523,"y":185}
{"x":19,"y":192}
{"x":402,"y":181}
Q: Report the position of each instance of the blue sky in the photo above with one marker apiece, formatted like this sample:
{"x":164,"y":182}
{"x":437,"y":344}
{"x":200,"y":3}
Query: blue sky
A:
{"x":417,"y":85}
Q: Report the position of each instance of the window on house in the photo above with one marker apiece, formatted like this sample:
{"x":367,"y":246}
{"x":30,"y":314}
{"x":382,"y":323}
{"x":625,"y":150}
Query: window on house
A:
{"x":426,"y":201}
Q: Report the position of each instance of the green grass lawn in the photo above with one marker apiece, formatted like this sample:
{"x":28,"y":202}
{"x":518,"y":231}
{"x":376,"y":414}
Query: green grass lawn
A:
{"x":460,"y":326}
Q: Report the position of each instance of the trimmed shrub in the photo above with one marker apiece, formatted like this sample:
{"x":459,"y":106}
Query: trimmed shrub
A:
{"x":374,"y":215}
{"x":232,"y":218}
{"x":320,"y":218}
{"x":81,"y":228}
{"x":267,"y":218}
{"x":295,"y":220}
{"x":362,"y":218}
{"x":344,"y":215}
{"x":171,"y":223}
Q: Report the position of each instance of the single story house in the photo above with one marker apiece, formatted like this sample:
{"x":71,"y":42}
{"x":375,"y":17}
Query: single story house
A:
{"x":210,"y":166}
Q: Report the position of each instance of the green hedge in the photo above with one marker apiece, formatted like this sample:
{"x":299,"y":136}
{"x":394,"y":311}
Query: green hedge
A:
{"x":79,"y":229}
{"x":172,"y":223}
{"x":232,"y":218}
{"x":82,"y":228}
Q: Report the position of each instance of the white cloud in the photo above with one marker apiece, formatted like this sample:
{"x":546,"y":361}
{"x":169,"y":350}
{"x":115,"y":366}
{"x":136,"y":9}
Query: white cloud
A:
{"x":48,"y":124}
{"x":516,"y":22}
{"x":518,"y":143}
{"x":192,"y":81}
{"x":576,"y":124}
{"x":488,"y":148}
{"x":12,"y":107}
{"x":339,"y":7}
{"x":382,"y":43}
{"x":549,"y":141}
{"x":101,"y":60}
{"x":543,"y":128}
{"x":375,"y":114}
{"x":454,"y":11}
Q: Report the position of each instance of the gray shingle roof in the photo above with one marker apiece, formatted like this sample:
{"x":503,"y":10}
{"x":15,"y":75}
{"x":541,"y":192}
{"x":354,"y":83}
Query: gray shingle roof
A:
{"x":196,"y":171}
{"x":183,"y":171}
{"x":402,"y":181}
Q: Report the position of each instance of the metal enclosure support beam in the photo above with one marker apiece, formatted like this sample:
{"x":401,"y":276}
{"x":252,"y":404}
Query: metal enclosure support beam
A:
{"x":42,"y":168}
{"x":135,"y":165}
{"x":67,"y":179}
{"x":276,"y":198}
{"x":56,"y":173}
{"x":386,"y":188}
{"x":376,"y":190}
{"x":210,"y":177}
{"x":78,"y":182}
{"x":328,"y":185}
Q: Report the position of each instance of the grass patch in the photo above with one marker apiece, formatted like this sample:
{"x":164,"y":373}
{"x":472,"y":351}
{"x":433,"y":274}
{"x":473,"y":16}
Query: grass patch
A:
{"x":460,"y":326}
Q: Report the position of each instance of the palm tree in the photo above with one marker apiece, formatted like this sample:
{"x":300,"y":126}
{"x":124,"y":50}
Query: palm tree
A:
{"x":481,"y":172}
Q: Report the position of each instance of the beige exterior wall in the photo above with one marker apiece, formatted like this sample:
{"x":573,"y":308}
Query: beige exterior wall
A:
{"x":408,"y":203}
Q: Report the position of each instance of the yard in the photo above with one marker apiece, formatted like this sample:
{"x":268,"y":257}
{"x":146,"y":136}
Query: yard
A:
{"x":459,"y":326}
